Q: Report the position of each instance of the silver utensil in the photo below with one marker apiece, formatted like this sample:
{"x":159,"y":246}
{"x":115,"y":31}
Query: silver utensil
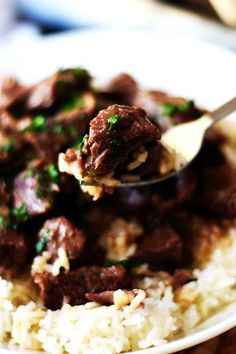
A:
{"x":186,"y":139}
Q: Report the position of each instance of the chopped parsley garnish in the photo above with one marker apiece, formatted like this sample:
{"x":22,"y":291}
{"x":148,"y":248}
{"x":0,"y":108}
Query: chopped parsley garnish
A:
{"x":81,"y":142}
{"x":58,"y":129}
{"x":75,"y":102}
{"x":2,"y":221}
{"x":113,"y":120}
{"x":73,"y":131}
{"x":8,"y":147}
{"x":117,"y":142}
{"x":38,"y":125}
{"x":53,"y":173}
{"x":78,"y":72}
{"x":30,"y":172}
{"x":42,"y":193}
{"x":45,"y":236}
{"x":20,"y":213}
{"x":171,"y":108}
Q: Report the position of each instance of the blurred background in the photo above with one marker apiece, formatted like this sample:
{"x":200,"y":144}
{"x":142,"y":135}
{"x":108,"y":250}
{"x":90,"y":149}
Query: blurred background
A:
{"x":29,"y":20}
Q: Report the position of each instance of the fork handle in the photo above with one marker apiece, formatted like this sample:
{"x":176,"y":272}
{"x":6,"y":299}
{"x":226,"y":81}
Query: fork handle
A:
{"x":224,"y":110}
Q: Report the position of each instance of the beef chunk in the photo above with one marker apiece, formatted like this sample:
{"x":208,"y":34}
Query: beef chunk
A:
{"x":105,"y":297}
{"x":35,"y":190}
{"x":57,"y":88}
{"x":167,"y":110}
{"x":122,"y":89}
{"x":60,"y":232}
{"x":161,"y":246}
{"x":200,"y":234}
{"x":72,"y":287}
{"x":14,"y":250}
{"x":119,"y":142}
{"x":11,"y":93}
{"x":44,"y":145}
{"x":216,"y":191}
{"x":131,"y":199}
{"x":116,"y":123}
{"x":48,"y":135}
{"x":181,"y":277}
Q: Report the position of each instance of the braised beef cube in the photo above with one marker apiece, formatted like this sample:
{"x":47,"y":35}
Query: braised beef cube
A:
{"x":43,"y":94}
{"x":114,"y":135}
{"x":122,"y":89}
{"x":173,"y":192}
{"x":131,"y":199}
{"x":11,"y":93}
{"x":44,"y":145}
{"x":36,"y":190}
{"x":216,"y":191}
{"x":14,"y":251}
{"x":77,"y":110}
{"x":8,"y":125}
{"x":200,"y":233}
{"x":105,"y":297}
{"x":57,"y":87}
{"x":118,"y":143}
{"x":182,"y":277}
{"x":61,"y":233}
{"x":72,"y":287}
{"x":161,"y":246}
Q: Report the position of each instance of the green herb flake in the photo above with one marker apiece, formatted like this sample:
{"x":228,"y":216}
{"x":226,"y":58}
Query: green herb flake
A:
{"x":38,"y":125}
{"x":78,"y":72}
{"x":113,"y":120}
{"x":53,"y":173}
{"x":8,"y":147}
{"x":45,"y":236}
{"x":2,"y":221}
{"x":118,"y":142}
{"x":81,"y":142}
{"x":171,"y":108}
{"x":42,"y":193}
{"x":58,"y":129}
{"x":76,"y":102}
{"x":20,"y":213}
{"x":30,"y":173}
{"x":73,"y":131}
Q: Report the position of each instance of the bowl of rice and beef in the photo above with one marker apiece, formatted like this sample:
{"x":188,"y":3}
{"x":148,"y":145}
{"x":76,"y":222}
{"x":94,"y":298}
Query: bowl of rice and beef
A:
{"x":92,"y":268}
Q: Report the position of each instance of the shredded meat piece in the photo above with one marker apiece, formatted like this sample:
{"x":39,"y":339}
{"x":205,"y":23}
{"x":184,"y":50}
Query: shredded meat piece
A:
{"x":71,"y":287}
{"x":14,"y":251}
{"x":122,"y":89}
{"x":162,"y":245}
{"x":11,"y":92}
{"x":62,"y":233}
{"x":181,"y":277}
{"x":132,"y":126}
{"x":29,"y":191}
{"x":105,"y":297}
{"x":199,"y":233}
{"x":121,"y":141}
{"x":217,"y":190}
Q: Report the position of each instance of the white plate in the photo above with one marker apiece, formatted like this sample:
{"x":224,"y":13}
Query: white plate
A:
{"x":195,"y":69}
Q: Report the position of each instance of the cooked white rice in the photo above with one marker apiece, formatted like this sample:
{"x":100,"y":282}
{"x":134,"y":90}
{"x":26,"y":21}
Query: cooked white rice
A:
{"x":139,"y":320}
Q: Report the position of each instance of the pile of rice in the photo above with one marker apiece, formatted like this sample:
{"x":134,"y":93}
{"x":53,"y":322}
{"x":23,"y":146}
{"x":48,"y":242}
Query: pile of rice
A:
{"x":149,"y":318}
